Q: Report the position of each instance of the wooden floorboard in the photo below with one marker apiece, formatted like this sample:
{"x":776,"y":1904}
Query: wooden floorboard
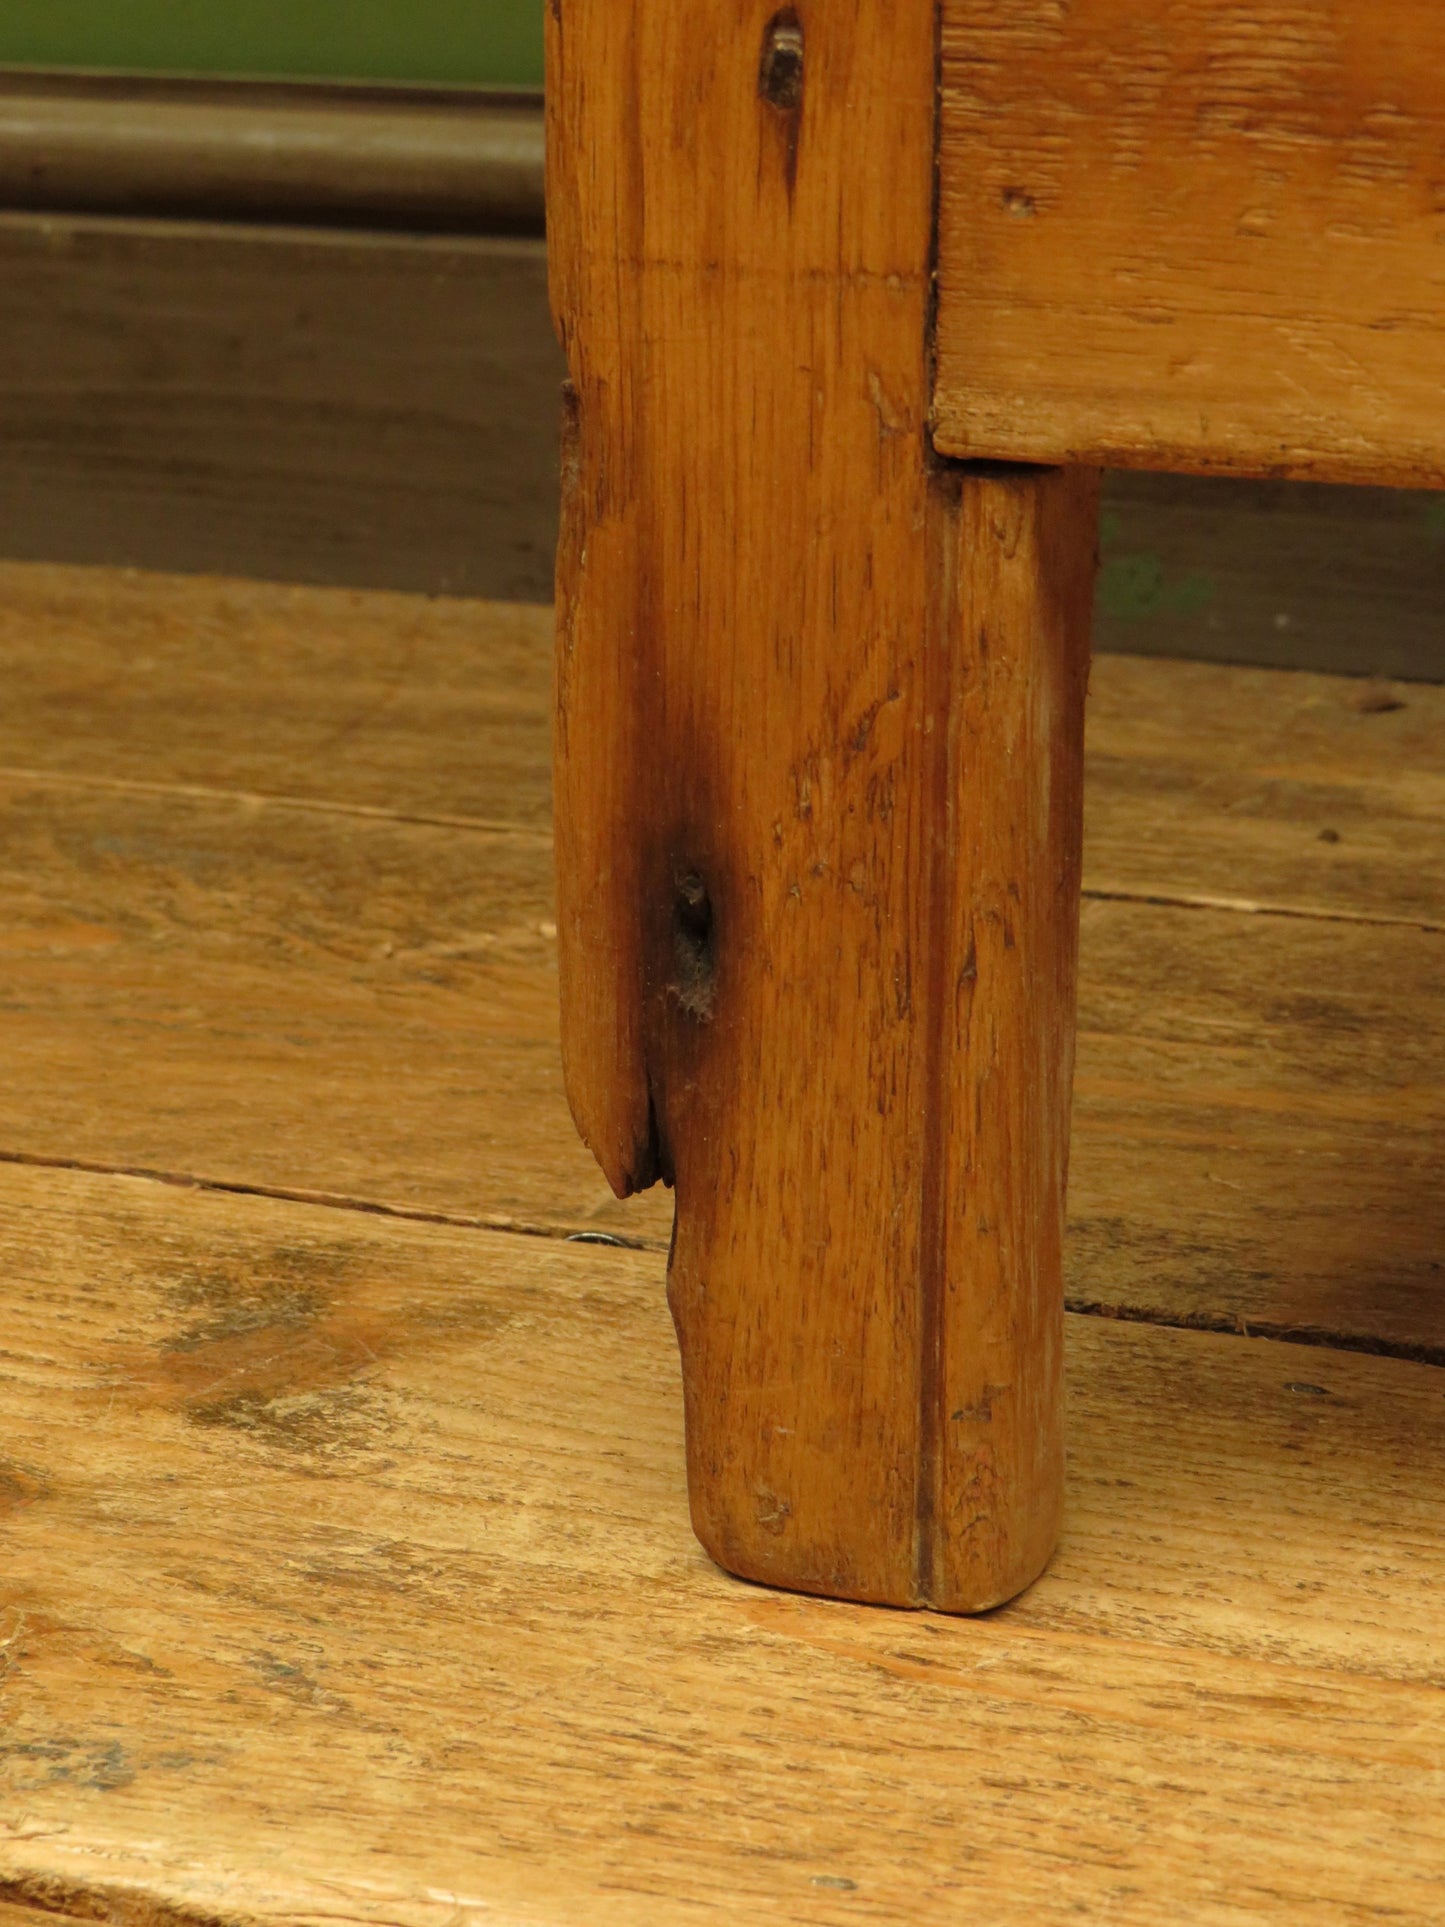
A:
{"x":418,"y":705}
{"x":340,"y":1004}
{"x":1267,"y":788}
{"x":1318,"y":792}
{"x":345,"y":1568}
{"x":355,"y":1006}
{"x":349,"y":1575}
{"x":1259,"y":1120}
{"x":346,"y":993}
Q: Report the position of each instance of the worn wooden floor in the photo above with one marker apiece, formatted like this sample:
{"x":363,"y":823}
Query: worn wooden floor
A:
{"x":345,"y":1572}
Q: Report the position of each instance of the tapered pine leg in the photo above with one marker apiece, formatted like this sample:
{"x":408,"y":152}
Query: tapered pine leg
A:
{"x":819,"y":730}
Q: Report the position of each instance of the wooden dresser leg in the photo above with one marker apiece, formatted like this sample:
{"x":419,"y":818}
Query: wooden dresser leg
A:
{"x":819,"y":731}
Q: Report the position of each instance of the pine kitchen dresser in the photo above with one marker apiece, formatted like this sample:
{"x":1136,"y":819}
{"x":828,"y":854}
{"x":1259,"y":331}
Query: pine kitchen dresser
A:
{"x":857,"y":299}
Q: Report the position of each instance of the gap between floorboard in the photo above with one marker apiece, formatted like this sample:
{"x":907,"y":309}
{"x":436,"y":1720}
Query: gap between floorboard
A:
{"x":1248,"y":907}
{"x":327,"y":1200}
{"x":1217,"y":1324}
{"x":316,"y":806}
{"x":1277,"y":1332}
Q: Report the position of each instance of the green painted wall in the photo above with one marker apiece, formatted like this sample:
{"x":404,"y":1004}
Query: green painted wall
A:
{"x":492,"y":42}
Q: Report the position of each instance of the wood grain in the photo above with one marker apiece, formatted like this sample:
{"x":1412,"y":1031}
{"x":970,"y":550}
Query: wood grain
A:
{"x":348,"y":1573}
{"x":154,"y":937}
{"x":422,"y":707}
{"x":380,"y":993}
{"x":1007,"y":834}
{"x":1316,"y":795}
{"x":1207,"y":781}
{"x":190,"y":986}
{"x":1194,"y":237}
{"x":1258,"y":1119}
{"x":313,"y":406}
{"x":347,"y":1565}
{"x":819,"y":745}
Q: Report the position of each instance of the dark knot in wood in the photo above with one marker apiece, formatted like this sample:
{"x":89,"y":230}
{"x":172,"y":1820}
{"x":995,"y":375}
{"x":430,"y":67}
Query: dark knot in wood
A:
{"x":780,"y":72}
{"x":694,"y":972}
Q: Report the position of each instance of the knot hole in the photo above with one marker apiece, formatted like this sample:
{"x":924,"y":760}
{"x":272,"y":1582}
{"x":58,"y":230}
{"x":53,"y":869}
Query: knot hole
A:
{"x":694,"y":978}
{"x":780,"y":72}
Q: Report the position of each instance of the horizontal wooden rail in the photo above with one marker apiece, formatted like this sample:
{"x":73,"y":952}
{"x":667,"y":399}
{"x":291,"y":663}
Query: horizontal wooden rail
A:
{"x":438,"y":160}
{"x":1174,"y":234}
